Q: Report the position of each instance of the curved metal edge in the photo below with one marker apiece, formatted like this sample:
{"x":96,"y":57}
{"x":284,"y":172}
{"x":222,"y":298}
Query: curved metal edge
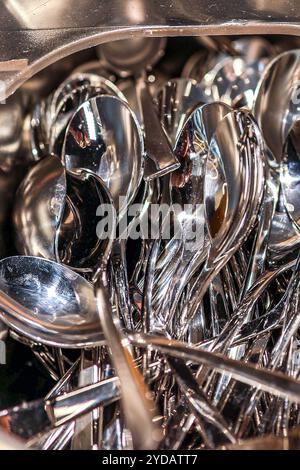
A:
{"x":79,"y":41}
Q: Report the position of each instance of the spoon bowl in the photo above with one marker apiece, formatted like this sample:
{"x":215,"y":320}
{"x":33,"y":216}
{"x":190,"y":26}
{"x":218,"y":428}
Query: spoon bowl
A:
{"x":105,"y":138}
{"x":142,"y":54}
{"x":129,"y":56}
{"x":73,"y":92}
{"x":277,"y":113}
{"x":48,"y":303}
{"x":175,"y":101}
{"x":276,"y":105}
{"x":38,"y":208}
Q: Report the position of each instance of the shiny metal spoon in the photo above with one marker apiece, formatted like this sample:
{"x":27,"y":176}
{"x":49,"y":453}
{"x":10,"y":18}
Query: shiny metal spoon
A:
{"x":104,"y":137}
{"x":232,"y":78}
{"x":38,"y":209}
{"x":187,"y":192}
{"x":275,"y":111}
{"x":175,"y":101}
{"x":94,"y":84}
{"x":67,"y":298}
{"x":234,"y":81}
{"x":48,"y":303}
{"x":137,"y":403}
{"x":233,"y":189}
{"x":73,"y":92}
{"x":277,"y":114}
{"x":132,"y":57}
{"x":67,"y":317}
{"x":54,"y":215}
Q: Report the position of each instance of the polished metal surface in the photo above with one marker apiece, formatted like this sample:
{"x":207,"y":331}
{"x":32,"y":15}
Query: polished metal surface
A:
{"x":233,"y":179}
{"x":275,"y":111}
{"x":234,"y":80}
{"x":33,"y":418}
{"x":291,"y":173}
{"x":79,"y":239}
{"x":48,"y":302}
{"x":185,"y":188}
{"x":160,"y":157}
{"x":54,"y":215}
{"x":67,"y":98}
{"x":141,"y":55}
{"x":39,"y":207}
{"x":96,"y":141}
{"x":277,"y":114}
{"x":34,"y":35}
{"x":189,"y":339}
{"x":131,"y":56}
{"x":175,"y":101}
{"x":138,"y":406}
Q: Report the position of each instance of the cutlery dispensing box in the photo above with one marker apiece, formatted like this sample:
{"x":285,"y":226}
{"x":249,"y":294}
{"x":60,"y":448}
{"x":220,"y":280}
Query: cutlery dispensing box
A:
{"x":37,"y":35}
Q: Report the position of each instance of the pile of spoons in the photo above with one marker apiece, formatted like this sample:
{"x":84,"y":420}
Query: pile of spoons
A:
{"x":155,"y":271}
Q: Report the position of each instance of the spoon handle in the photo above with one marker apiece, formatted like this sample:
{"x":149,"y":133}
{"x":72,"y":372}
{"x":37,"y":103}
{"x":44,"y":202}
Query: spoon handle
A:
{"x":266,"y":380}
{"x":139,"y":409}
{"x":32,"y":418}
{"x":71,"y":405}
{"x":259,"y":251}
{"x":278,"y":351}
{"x":228,"y":335}
{"x":157,"y":146}
{"x":199,"y":403}
{"x":121,"y":283}
{"x":3,"y":331}
{"x":209,"y":271}
{"x":84,"y":429}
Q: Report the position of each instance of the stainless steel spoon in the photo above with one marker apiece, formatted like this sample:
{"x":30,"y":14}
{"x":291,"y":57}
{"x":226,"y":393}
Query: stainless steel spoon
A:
{"x":67,"y":98}
{"x":29,"y":419}
{"x":234,"y":183}
{"x":113,"y":149}
{"x":104,"y":137}
{"x":275,"y":111}
{"x":186,"y":191}
{"x":132,"y":57}
{"x":48,"y":303}
{"x":277,"y":114}
{"x":66,"y":293}
{"x":138,"y":402}
{"x":55,"y":215}
{"x":175,"y":101}
{"x":38,"y":209}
